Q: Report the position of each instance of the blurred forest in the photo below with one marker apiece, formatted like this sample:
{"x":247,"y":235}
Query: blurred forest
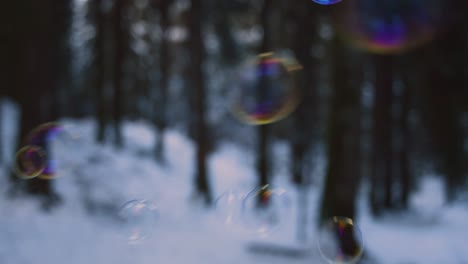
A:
{"x":383,"y":116}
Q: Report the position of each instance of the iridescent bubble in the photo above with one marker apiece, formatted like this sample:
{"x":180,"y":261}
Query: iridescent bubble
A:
{"x":228,"y":207}
{"x":340,"y":241}
{"x":264,"y":209}
{"x":139,"y":218}
{"x":265,"y":89}
{"x":389,"y":26}
{"x":30,"y":162}
{"x":326,"y":2}
{"x":55,"y":139}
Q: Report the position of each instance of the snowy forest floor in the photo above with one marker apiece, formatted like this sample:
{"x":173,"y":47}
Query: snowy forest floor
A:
{"x":100,"y":179}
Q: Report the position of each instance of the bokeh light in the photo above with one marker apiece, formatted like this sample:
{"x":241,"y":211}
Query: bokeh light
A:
{"x":139,"y":218}
{"x":388,"y":26}
{"x":55,"y":139}
{"x":30,"y":162}
{"x":327,"y":2}
{"x":264,"y":209}
{"x":228,"y":207}
{"x":340,"y":241}
{"x":265,"y":89}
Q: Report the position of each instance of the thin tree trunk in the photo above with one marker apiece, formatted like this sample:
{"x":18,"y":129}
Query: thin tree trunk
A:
{"x":306,"y":115}
{"x":198,"y":83}
{"x":119,"y":49}
{"x":165,"y":71}
{"x":381,"y":194}
{"x":263,"y":168}
{"x":405,"y":144}
{"x":99,"y":72}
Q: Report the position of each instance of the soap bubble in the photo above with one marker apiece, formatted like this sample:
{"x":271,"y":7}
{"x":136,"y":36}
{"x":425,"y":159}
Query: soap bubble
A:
{"x":228,"y":207}
{"x":264,"y":209}
{"x":327,"y":2}
{"x":56,"y":140}
{"x":30,"y":162}
{"x":388,"y":26}
{"x":139,"y":218}
{"x":265,"y":90}
{"x":340,"y":241}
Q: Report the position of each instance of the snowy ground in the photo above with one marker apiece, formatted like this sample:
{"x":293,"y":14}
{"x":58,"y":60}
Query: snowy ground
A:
{"x":186,"y":232}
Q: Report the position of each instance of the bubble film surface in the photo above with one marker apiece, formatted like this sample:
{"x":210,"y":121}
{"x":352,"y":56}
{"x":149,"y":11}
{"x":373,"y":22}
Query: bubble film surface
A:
{"x":228,"y":207}
{"x":326,"y":2}
{"x":54,"y":138}
{"x":340,"y":241}
{"x":265,"y":89}
{"x":264,"y":209}
{"x":30,"y":162}
{"x":388,"y":26}
{"x":139,"y":218}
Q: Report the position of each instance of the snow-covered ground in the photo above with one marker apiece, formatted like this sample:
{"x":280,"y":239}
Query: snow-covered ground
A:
{"x":100,"y":179}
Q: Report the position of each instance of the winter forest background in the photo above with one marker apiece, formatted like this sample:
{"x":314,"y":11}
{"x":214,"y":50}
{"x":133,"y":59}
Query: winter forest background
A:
{"x":379,"y":134}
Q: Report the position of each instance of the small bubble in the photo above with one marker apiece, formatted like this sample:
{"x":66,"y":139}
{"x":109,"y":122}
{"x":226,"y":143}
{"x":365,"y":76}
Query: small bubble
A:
{"x":340,"y":241}
{"x":228,"y":207}
{"x":30,"y":162}
{"x":265,"y":209}
{"x":139,"y":218}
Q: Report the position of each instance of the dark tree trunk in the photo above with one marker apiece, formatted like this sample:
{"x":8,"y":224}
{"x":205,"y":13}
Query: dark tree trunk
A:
{"x":1,"y":125}
{"x":36,"y":76}
{"x":404,"y":145}
{"x":263,"y":166}
{"x":165,"y":71}
{"x":119,"y":50}
{"x":229,"y":52}
{"x":343,"y":173}
{"x":443,"y":104}
{"x":197,"y":52}
{"x":305,"y":118}
{"x":99,"y":72}
{"x":306,"y":115}
{"x":381,"y":192}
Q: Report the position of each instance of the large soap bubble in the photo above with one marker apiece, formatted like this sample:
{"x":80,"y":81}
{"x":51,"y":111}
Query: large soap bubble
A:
{"x":265,"y":89}
{"x":57,"y":141}
{"x":389,"y":26}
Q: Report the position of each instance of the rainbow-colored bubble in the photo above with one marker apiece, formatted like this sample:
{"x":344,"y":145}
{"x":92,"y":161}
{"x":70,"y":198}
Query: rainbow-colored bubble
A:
{"x":265,"y":89}
{"x":326,"y":2}
{"x":340,"y":241}
{"x":388,"y":26}
{"x":30,"y":162}
{"x":264,"y":209}
{"x":53,"y":138}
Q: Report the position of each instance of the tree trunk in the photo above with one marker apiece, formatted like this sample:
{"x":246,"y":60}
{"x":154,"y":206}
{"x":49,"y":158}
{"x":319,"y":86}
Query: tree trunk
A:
{"x":119,"y":50}
{"x":403,"y":153}
{"x":197,"y":78}
{"x":99,"y":72}
{"x":443,"y":107}
{"x":36,"y":76}
{"x":306,"y":115}
{"x":343,"y":173}
{"x":381,"y":193}
{"x":165,"y":71}
{"x":263,"y":165}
